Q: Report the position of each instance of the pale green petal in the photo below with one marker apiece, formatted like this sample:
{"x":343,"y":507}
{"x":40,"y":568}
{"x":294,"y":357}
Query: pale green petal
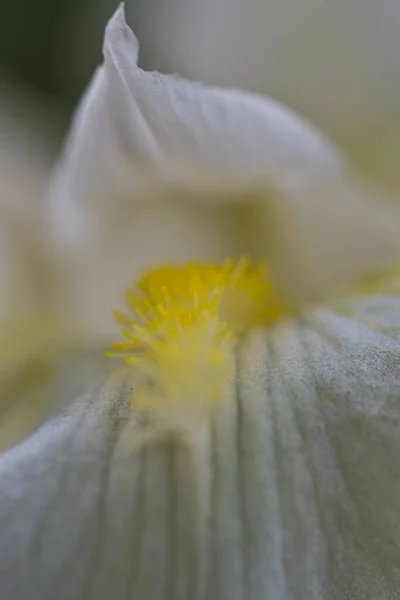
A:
{"x":25,"y":401}
{"x":32,"y":383}
{"x":292,"y":494}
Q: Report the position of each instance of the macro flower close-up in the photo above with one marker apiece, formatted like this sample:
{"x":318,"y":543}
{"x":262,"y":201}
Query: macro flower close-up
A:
{"x":201,"y":393}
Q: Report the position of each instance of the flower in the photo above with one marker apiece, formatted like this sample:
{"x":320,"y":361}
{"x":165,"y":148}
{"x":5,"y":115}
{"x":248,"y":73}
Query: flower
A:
{"x":289,"y":488}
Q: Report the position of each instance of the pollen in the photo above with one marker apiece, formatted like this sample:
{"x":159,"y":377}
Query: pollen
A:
{"x":182,"y":326}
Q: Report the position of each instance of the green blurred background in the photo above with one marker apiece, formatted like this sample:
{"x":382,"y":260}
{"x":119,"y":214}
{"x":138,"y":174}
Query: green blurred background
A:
{"x":41,"y":40}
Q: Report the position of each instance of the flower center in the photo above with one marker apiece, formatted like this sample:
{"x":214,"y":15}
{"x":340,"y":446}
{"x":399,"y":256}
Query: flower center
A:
{"x":182,"y":326}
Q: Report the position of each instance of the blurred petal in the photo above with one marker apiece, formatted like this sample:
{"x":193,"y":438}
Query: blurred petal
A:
{"x":116,"y":249}
{"x":24,"y":398}
{"x":27,"y":135}
{"x":133,"y":125}
{"x":18,"y":301}
{"x":322,"y":237}
{"x":27,"y":319}
{"x":22,"y":178}
{"x":29,"y":380}
{"x":293,"y":491}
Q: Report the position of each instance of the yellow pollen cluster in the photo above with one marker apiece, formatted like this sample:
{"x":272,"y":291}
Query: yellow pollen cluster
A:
{"x":182,"y":326}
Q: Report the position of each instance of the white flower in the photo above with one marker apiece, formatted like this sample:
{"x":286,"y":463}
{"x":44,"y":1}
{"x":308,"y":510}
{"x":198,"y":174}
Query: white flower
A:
{"x":290,"y":489}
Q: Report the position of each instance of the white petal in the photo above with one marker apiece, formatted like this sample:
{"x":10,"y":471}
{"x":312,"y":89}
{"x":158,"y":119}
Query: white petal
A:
{"x":25,"y":315}
{"x":133,"y":125}
{"x":21,"y":181}
{"x":18,"y":298}
{"x":24,"y":169}
{"x":294,"y":493}
{"x":323,"y":238}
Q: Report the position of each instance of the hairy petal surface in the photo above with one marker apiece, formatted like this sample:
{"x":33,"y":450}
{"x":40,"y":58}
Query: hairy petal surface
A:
{"x":291,"y":492}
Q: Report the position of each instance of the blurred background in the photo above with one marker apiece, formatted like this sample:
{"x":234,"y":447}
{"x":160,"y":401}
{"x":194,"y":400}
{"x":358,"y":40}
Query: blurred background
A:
{"x":337,"y":62}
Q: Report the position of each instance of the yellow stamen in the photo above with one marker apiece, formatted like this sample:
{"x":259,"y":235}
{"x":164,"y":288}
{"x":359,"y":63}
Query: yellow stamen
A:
{"x":183,"y":325}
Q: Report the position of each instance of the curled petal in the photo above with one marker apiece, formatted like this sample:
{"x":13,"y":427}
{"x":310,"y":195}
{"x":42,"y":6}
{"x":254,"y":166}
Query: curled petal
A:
{"x":134,"y":125}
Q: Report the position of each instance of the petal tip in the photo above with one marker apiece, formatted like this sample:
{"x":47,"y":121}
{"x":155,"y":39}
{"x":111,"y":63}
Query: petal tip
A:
{"x":119,"y":33}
